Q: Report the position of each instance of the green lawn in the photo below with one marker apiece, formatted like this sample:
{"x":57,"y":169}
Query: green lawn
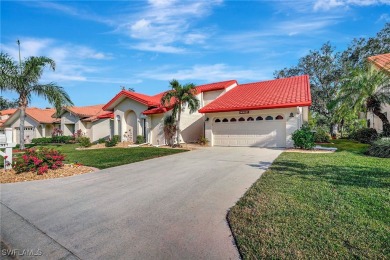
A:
{"x":317,"y":206}
{"x":110,"y":157}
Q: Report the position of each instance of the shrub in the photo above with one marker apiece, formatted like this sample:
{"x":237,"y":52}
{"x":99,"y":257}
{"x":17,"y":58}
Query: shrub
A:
{"x":380,"y":148}
{"x":303,"y":138}
{"x":203,"y":140}
{"x":79,"y":133}
{"x":366,"y":135}
{"x":43,"y":140}
{"x":101,"y":141}
{"x":140,"y":139}
{"x":39,"y":161}
{"x":84,"y":141}
{"x":111,"y":142}
{"x":56,"y":132}
{"x":321,"y":136}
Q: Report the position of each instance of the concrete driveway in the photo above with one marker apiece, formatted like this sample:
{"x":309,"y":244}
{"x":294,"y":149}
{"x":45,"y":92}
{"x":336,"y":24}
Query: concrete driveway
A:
{"x":172,"y":207}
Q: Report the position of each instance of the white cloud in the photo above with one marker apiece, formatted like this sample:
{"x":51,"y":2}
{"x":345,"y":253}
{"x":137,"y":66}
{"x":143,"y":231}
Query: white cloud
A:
{"x":169,"y":23}
{"x":209,"y":73}
{"x":73,"y":62}
{"x":331,"y":4}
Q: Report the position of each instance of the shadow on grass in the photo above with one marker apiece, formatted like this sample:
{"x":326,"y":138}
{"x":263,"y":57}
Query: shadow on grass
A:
{"x":261,"y":165}
{"x":359,"y":176}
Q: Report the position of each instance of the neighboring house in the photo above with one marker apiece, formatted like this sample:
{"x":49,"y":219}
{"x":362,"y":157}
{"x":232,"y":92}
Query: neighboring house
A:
{"x":379,"y":62}
{"x":139,"y":114}
{"x":93,"y":121}
{"x":4,"y":115}
{"x":38,"y":123}
{"x":263,"y":114}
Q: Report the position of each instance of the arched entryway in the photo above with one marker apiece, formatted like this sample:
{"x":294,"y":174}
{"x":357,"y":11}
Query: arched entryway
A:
{"x":131,"y":126}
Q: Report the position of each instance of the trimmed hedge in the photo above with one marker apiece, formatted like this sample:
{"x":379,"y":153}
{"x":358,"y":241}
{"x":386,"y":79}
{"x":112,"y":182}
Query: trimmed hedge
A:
{"x":380,"y":148}
{"x":55,"y":139}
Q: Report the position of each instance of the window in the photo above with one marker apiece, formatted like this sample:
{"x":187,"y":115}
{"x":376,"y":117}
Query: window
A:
{"x":217,"y":120}
{"x":241,"y":119}
{"x":250,"y":119}
{"x":225,"y":120}
{"x":259,"y":118}
{"x":233,"y":120}
{"x":269,"y":118}
{"x":279,"y":117}
{"x":291,"y":114}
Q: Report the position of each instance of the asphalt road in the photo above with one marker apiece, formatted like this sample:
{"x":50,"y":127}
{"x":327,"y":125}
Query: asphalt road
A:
{"x":172,"y":207}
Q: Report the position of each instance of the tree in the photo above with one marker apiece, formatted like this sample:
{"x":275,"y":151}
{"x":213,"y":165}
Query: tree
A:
{"x":178,"y":98}
{"x":360,"y":49}
{"x":6,"y":104}
{"x":365,"y":90}
{"x":169,"y":129}
{"x":325,"y":71}
{"x":23,"y":78}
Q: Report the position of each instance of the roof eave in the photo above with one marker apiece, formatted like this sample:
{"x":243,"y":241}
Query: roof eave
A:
{"x":298,"y":104}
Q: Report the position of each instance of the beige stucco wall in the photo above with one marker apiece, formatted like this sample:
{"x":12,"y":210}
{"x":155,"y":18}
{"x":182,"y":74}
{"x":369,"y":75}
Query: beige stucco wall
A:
{"x":121,"y":111}
{"x":292,"y":123}
{"x":157,"y":129}
{"x":68,"y":123}
{"x":100,"y":129}
{"x":28,"y":122}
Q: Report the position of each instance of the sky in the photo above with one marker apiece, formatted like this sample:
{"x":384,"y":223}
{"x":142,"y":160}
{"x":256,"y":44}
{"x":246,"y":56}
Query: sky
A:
{"x":99,"y":46}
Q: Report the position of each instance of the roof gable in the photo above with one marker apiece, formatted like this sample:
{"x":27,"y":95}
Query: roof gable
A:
{"x":278,"y":93}
{"x":141,"y":98}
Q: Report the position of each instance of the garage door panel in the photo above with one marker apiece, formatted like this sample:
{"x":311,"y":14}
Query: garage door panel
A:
{"x":256,"y":133}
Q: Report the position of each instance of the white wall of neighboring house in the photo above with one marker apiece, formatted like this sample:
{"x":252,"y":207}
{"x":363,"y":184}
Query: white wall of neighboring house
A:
{"x":68,"y":123}
{"x":157,"y":129}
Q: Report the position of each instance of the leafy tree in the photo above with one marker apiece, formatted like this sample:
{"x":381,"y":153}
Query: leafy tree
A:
{"x":178,"y":98}
{"x":325,"y":71}
{"x":365,"y":90}
{"x":6,"y":104}
{"x":360,"y":49}
{"x":23,"y":78}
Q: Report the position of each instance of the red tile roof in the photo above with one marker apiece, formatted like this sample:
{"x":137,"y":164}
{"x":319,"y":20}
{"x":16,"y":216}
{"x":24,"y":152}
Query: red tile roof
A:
{"x":2,"y":122}
{"x":278,"y":93}
{"x":8,"y":111}
{"x":141,"y":98}
{"x":198,"y":89}
{"x":87,"y":113}
{"x":382,"y":61}
{"x":42,"y":115}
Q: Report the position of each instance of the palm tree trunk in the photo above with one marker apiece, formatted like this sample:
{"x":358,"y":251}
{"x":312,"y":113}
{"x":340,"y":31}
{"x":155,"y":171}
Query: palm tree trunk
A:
{"x":21,"y":126}
{"x":385,"y":121}
{"x":178,"y":127}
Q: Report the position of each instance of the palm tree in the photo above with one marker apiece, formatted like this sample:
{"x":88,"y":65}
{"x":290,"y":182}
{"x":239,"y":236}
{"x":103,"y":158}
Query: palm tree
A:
{"x":178,"y":98}
{"x":23,"y":78}
{"x":366,"y":90}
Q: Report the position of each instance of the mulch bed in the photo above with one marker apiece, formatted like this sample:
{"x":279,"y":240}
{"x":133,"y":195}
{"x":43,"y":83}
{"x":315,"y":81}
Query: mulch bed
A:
{"x":10,"y":176}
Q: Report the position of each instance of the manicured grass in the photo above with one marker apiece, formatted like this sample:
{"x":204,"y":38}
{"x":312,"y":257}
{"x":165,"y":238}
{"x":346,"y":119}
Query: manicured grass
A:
{"x":317,"y":206}
{"x":110,"y":157}
{"x":348,"y":145}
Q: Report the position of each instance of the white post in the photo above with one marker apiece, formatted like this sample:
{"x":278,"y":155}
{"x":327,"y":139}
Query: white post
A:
{"x":7,"y":144}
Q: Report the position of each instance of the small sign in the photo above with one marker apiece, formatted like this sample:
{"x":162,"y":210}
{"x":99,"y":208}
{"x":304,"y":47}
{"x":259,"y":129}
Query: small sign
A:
{"x":244,"y":112}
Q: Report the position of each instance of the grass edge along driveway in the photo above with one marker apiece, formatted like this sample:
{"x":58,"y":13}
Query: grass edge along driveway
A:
{"x":317,"y":206}
{"x":110,"y":157}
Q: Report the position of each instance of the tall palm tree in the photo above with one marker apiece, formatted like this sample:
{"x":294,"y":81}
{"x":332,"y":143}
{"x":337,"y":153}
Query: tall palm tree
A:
{"x":178,"y":98}
{"x":23,"y":78}
{"x":366,"y":90}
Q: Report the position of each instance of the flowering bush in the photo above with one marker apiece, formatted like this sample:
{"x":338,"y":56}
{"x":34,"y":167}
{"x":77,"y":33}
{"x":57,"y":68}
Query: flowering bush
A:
{"x":57,"y":132}
{"x":39,"y":161}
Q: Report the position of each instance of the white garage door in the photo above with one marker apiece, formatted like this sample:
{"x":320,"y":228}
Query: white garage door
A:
{"x":28,"y":134}
{"x":260,"y":131}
